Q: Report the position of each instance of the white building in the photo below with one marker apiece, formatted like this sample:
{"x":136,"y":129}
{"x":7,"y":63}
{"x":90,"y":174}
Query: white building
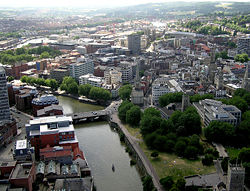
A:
{"x":212,"y":110}
{"x":91,"y":79}
{"x":112,"y":76}
{"x":162,"y":86}
{"x":83,"y":66}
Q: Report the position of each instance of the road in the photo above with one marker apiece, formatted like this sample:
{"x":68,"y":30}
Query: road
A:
{"x":22,"y":119}
{"x":151,"y":171}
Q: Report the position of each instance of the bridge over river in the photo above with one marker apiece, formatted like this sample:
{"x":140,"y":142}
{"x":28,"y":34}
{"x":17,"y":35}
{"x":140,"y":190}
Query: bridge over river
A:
{"x":90,"y":116}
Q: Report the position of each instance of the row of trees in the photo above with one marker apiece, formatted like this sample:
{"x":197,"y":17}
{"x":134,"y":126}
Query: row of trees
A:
{"x":129,"y":113}
{"x":26,"y":54}
{"x":125,"y":91}
{"x":241,"y":58}
{"x":169,"y":184}
{"x":40,"y":82}
{"x":70,"y":86}
{"x":168,"y":98}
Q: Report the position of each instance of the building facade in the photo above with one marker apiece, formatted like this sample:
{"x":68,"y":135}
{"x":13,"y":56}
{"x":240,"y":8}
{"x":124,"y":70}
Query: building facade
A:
{"x":134,"y":43}
{"x":4,"y":99}
{"x":212,"y":110}
{"x":91,"y":79}
{"x":82,"y":67}
{"x":243,"y":46}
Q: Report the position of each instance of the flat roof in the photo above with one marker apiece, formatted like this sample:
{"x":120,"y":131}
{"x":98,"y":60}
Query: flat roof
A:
{"x":21,"y":144}
{"x":50,"y":119}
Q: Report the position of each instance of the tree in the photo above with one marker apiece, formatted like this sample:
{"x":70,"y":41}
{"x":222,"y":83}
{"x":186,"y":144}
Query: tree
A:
{"x":84,"y":89}
{"x":133,"y":116}
{"x":180,"y":184}
{"x":180,"y":147}
{"x":53,"y":84}
{"x":241,"y":58}
{"x":123,"y":108}
{"x":44,"y":55}
{"x":148,"y":183}
{"x":72,"y":88}
{"x":100,"y":94}
{"x":207,"y":160}
{"x":24,"y":79}
{"x":154,"y":154}
{"x":170,"y":98}
{"x":239,"y":102}
{"x":167,"y":182}
{"x":240,"y":92}
{"x":220,"y":132}
{"x":10,"y":78}
{"x":191,"y":152}
{"x":125,"y":91}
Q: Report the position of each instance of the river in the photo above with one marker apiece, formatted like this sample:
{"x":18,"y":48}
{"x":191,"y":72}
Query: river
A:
{"x":102,"y":148}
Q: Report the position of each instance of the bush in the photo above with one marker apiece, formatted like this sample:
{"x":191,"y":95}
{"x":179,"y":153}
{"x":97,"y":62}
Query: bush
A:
{"x":207,"y":160}
{"x":167,"y":182}
{"x":132,"y":162}
{"x":154,"y":154}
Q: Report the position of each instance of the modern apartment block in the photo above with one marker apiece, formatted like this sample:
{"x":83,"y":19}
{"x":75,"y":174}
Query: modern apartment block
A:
{"x":212,"y":110}
{"x":4,"y":99}
{"x":83,"y":66}
{"x":134,"y":43}
{"x":91,"y":79}
{"x":127,"y":72}
{"x":243,"y":46}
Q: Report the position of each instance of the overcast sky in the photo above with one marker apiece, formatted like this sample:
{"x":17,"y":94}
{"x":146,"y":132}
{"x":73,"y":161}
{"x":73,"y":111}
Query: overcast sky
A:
{"x":82,"y":3}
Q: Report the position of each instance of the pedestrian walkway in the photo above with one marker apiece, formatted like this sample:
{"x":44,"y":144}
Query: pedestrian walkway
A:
{"x":151,"y":171}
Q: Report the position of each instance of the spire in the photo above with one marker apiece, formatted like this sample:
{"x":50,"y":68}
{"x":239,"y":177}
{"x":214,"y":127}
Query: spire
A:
{"x":137,"y":77}
{"x":246,"y":78}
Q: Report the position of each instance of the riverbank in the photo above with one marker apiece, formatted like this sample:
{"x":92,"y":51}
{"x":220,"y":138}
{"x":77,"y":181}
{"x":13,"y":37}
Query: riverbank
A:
{"x":82,"y":99}
{"x":142,"y":160}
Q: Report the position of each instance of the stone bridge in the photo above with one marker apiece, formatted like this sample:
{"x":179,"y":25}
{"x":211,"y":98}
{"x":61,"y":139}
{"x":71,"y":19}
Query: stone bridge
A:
{"x":90,"y":116}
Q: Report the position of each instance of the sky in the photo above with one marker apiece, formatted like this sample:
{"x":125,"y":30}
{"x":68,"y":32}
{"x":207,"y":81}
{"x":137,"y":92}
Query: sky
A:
{"x":83,"y":3}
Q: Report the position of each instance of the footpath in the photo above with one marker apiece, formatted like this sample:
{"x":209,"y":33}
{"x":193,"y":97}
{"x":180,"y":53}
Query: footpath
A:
{"x":151,"y":171}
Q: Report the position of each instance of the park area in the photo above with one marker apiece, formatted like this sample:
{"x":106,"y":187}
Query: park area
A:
{"x":170,"y":164}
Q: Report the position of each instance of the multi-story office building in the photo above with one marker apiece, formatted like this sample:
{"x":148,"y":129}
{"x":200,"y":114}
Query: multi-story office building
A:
{"x":112,"y":76}
{"x":162,"y":86}
{"x":212,"y":110}
{"x":127,"y":72}
{"x":243,"y":46}
{"x":83,"y":66}
{"x":52,"y":131}
{"x":91,"y":79}
{"x":4,"y":100}
{"x":134,"y":43}
{"x":59,"y":74}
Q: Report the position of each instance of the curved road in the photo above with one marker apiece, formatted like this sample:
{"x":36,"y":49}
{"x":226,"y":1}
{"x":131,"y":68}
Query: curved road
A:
{"x":143,"y":157}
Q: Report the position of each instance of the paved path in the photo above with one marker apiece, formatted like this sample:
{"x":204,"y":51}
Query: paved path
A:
{"x":143,"y":157}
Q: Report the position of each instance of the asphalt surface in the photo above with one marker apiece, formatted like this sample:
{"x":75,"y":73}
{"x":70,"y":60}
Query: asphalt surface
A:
{"x":21,"y":119}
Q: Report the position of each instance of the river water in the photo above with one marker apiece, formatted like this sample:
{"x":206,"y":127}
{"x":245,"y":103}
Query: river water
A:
{"x":102,"y":148}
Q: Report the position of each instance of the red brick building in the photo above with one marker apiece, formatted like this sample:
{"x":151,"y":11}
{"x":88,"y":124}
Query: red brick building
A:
{"x":42,"y":102}
{"x":23,"y":176}
{"x":50,"y":111}
{"x":6,"y":169}
{"x":8,"y":129}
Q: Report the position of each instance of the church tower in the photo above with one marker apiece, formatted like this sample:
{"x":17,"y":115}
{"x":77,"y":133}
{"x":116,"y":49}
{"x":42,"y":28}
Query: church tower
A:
{"x":235,"y":177}
{"x":246,"y":80}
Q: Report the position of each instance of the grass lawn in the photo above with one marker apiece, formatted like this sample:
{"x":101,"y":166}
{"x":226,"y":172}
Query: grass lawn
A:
{"x":232,"y":152}
{"x":170,"y":164}
{"x":135,"y":132}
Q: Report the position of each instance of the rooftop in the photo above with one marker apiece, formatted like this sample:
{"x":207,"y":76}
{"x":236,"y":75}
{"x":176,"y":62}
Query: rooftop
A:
{"x":22,"y":171}
{"x":21,"y":144}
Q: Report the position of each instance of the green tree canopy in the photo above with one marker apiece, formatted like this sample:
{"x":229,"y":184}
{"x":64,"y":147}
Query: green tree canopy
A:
{"x":125,"y":91}
{"x":133,"y":116}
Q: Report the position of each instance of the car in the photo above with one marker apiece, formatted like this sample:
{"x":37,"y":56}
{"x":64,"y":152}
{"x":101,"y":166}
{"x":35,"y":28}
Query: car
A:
{"x":18,"y":112}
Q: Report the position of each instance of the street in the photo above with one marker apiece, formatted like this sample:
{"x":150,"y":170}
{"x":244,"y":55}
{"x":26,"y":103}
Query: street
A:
{"x":21,"y":119}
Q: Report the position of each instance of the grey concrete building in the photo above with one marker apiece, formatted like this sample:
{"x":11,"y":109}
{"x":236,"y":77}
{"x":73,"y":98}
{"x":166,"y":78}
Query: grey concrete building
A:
{"x":4,"y":100}
{"x":134,"y":43}
{"x":212,"y":110}
{"x":58,"y":74}
{"x":82,"y":67}
{"x":235,"y":177}
{"x":243,"y":46}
